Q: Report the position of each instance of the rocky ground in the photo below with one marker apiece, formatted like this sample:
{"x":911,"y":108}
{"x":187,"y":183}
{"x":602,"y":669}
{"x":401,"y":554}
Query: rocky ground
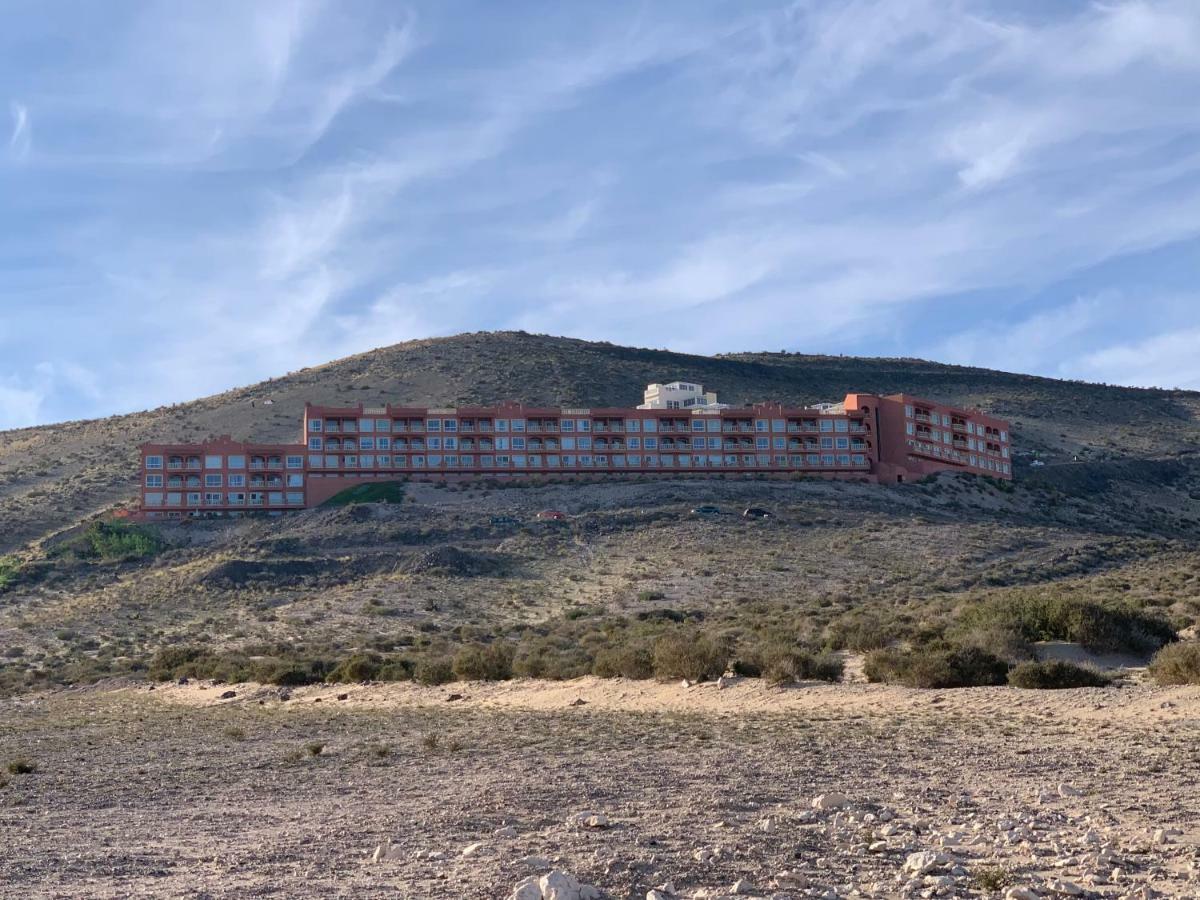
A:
{"x":625,"y":789}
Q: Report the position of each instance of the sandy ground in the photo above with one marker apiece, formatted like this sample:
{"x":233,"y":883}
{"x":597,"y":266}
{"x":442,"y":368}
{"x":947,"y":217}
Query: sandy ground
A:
{"x":176,"y":792}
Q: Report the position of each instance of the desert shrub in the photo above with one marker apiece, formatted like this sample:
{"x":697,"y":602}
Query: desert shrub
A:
{"x":688,"y":654}
{"x":113,"y":541}
{"x":169,"y":661}
{"x":1101,"y":628}
{"x":650,"y":596}
{"x":1055,"y":674}
{"x":631,"y":660}
{"x":433,"y":670}
{"x":359,"y":667}
{"x":1001,"y":639}
{"x":551,"y":662}
{"x":396,"y":669}
{"x":1176,"y":664}
{"x":10,"y":567}
{"x":287,"y":674}
{"x":860,"y":632}
{"x":483,"y":662}
{"x":21,"y":766}
{"x":936,"y":667}
{"x":782,"y":665}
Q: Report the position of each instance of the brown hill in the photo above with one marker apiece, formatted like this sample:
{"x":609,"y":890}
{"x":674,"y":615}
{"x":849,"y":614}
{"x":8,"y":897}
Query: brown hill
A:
{"x":53,"y":476}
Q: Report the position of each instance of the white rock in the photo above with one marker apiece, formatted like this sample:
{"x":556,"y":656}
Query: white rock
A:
{"x":877,"y":847}
{"x":770,"y":823}
{"x":472,"y":849}
{"x":832,"y":800}
{"x":1021,"y":893}
{"x":1160,"y":836}
{"x":656,"y":894}
{"x":742,"y":886}
{"x":788,"y":880}
{"x":1067,"y":790}
{"x":1068,"y":888}
{"x":924,"y":861}
{"x":560,"y":886}
{"x":534,"y":862}
{"x":529,"y":889}
{"x":724,"y":682}
{"x":382,"y":852}
{"x":506,"y":832}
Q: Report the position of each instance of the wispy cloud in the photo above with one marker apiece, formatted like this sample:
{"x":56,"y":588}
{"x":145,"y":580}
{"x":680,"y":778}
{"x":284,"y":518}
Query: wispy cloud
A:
{"x":20,"y":142}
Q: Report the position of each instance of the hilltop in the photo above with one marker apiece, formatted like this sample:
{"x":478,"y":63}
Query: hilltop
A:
{"x":53,"y":476}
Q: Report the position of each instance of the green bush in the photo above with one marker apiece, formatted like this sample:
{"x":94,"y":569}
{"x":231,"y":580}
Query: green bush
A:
{"x":688,"y":654}
{"x":433,"y":670}
{"x":10,"y":567}
{"x":1101,"y":628}
{"x":359,"y":667}
{"x":936,"y":667}
{"x":1055,"y":674}
{"x":783,"y":665}
{"x":625,"y":661}
{"x":1176,"y":664}
{"x":483,"y":662}
{"x":114,"y":540}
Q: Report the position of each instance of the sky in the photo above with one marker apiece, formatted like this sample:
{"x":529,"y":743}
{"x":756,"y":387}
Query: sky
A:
{"x":196,"y":196}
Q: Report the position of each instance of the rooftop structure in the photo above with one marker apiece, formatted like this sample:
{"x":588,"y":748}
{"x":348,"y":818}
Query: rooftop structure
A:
{"x":865,"y":437}
{"x":680,"y":395}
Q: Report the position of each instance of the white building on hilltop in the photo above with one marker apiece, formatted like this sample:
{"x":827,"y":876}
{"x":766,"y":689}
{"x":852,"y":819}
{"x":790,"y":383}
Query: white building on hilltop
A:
{"x":680,"y":395}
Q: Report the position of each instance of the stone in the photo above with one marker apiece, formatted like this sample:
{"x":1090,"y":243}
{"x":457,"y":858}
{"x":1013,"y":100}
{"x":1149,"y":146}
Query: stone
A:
{"x":505,"y":831}
{"x":1067,"y":888}
{"x":534,"y":862}
{"x":597,"y":820}
{"x":1021,"y":893}
{"x":924,"y":862}
{"x":742,"y":887}
{"x":1067,"y":790}
{"x":788,"y":880}
{"x":724,"y":682}
{"x":382,"y":852}
{"x":228,"y":695}
{"x":529,"y":889}
{"x":559,"y":886}
{"x":832,"y":800}
{"x":472,"y":849}
{"x":343,"y":696}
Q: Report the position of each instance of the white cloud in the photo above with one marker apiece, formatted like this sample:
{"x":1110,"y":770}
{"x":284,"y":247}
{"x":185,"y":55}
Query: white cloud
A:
{"x":1168,"y":360}
{"x":20,"y":142}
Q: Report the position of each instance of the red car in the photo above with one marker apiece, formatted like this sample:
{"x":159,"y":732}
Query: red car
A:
{"x":552,"y":514}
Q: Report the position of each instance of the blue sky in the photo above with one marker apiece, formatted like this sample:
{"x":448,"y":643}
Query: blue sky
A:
{"x":195,"y":196}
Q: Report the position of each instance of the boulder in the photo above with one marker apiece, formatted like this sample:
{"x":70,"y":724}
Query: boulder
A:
{"x":832,"y":800}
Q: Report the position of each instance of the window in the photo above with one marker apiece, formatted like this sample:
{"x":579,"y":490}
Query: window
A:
{"x":569,"y":443}
{"x":518,"y":424}
{"x":212,"y":462}
{"x":154,"y":499}
{"x":974,"y":460}
{"x":275,"y":498}
{"x":567,"y":425}
{"x":843,"y":443}
{"x":314,"y":443}
{"x":585,"y":443}
{"x":434,"y":443}
{"x":813,"y":459}
{"x":779,"y":443}
{"x":827,"y":424}
{"x":383,"y":425}
{"x":238,"y":499}
{"x":153,"y":462}
{"x":650,"y":443}
{"x":584,"y":425}
{"x":193,"y":499}
{"x":843,"y":459}
{"x":827,"y":459}
{"x":908,"y":410}
{"x":908,"y":427}
{"x":826,"y":443}
{"x":633,"y":424}
{"x":154,"y":481}
{"x":212,"y":480}
{"x":762,"y":443}
{"x":502,"y":424}
{"x":945,"y":421}
{"x":292,"y":481}
{"x":859,"y":459}
{"x":697,"y":424}
{"x":970,"y":428}
{"x":174,"y":498}
{"x":295,"y":462}
{"x":383,"y":443}
{"x":450,"y":425}
{"x":314,"y":424}
{"x":332,"y":462}
{"x":213,"y":499}
{"x":295,"y":498}
{"x":650,"y":425}
{"x":367,"y":425}
{"x":841,"y":425}
{"x":518,"y":443}
{"x":237,"y":462}
{"x":760,"y":424}
{"x":1004,"y":437}
{"x":714,"y":424}
{"x":236,"y":480}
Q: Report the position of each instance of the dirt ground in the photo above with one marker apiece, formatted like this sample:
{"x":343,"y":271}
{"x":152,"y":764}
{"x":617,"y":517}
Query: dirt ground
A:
{"x":184,"y":791}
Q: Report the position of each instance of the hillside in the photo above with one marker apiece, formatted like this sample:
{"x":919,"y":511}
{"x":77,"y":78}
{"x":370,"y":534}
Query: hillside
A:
{"x":52,"y":476}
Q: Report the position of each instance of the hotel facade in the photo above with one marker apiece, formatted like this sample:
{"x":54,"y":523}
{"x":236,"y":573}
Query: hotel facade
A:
{"x":883,"y":439}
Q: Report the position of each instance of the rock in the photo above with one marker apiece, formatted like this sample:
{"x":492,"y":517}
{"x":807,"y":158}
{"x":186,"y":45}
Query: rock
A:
{"x":529,"y":889}
{"x":343,"y":696}
{"x":1066,"y":888}
{"x":183,"y":681}
{"x":1067,"y":790}
{"x":450,"y":698}
{"x":924,"y":862}
{"x":656,"y":894}
{"x":723,"y":682}
{"x":578,"y":701}
{"x":561,"y":886}
{"x":1160,"y":836}
{"x":506,"y":831}
{"x":382,"y":852}
{"x":590,"y":820}
{"x":832,"y":800}
{"x":1021,"y":893}
{"x":534,"y":862}
{"x":228,"y":695}
{"x":742,"y":886}
{"x":472,"y":849}
{"x":877,"y":847}
{"x":789,"y":881}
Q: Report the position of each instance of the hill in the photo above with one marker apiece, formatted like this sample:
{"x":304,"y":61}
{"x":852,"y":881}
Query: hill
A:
{"x":56,"y":475}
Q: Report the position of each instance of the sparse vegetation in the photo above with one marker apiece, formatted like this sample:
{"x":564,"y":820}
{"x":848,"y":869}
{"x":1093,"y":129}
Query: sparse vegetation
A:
{"x":1056,"y":675}
{"x":483,"y":662}
{"x":688,"y":654}
{"x":10,"y":567}
{"x":113,"y":540}
{"x":22,"y":765}
{"x":373,"y":492}
{"x":936,"y":667}
{"x":1176,"y":664}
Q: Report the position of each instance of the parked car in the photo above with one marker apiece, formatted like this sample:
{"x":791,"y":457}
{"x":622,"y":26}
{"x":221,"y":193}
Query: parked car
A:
{"x":553,"y":515}
{"x":756,"y":512}
{"x":506,"y":521}
{"x":706,"y":510}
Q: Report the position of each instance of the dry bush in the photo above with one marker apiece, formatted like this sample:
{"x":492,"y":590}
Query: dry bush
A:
{"x":1176,"y":664}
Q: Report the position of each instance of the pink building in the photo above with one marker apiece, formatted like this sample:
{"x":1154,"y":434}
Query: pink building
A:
{"x":866,"y":437}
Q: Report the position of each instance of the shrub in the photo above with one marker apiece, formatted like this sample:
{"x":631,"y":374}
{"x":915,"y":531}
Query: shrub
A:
{"x":359,"y":667}
{"x":936,"y":667}
{"x":433,"y":670}
{"x":10,"y":567}
{"x":1054,"y":674}
{"x":1176,"y":664}
{"x":114,"y":541}
{"x":688,"y":654}
{"x":21,"y":766}
{"x":294,"y":675}
{"x":783,"y":666}
{"x":483,"y":662}
{"x":626,"y":661}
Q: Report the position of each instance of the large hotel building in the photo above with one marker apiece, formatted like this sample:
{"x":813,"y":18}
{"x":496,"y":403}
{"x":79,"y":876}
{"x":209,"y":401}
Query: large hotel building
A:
{"x":679,"y":429}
